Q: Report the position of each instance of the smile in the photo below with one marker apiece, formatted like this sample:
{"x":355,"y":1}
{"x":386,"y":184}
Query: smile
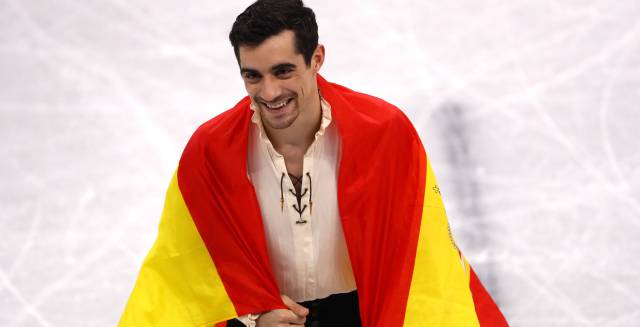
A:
{"x":278,"y":105}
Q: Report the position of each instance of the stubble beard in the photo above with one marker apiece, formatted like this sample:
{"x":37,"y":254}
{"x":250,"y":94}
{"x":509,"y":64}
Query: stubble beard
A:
{"x":281,"y":123}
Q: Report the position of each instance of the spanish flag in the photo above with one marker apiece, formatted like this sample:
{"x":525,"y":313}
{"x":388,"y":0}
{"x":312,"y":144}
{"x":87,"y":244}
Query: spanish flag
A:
{"x":210,"y":262}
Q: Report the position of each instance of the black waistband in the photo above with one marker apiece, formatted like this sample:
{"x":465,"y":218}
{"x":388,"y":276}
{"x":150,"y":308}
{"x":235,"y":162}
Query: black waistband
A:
{"x":337,"y":310}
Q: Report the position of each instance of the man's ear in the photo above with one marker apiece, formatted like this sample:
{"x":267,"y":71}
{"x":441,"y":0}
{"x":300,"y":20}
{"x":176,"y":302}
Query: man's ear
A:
{"x":318,"y":58}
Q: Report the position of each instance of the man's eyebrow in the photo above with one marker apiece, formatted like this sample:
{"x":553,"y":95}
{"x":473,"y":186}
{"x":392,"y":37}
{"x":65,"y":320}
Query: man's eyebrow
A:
{"x":274,"y":68}
{"x":248,"y":70}
{"x":285,"y":65}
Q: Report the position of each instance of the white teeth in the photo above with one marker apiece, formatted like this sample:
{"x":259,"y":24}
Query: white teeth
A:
{"x":277,"y":105}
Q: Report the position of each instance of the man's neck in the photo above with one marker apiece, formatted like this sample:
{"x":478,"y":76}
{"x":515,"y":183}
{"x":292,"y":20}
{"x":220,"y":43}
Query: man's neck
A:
{"x":300,"y":135}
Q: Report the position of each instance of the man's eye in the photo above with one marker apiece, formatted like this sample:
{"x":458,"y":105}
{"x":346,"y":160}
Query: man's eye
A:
{"x":251,"y":77}
{"x":283,"y":72}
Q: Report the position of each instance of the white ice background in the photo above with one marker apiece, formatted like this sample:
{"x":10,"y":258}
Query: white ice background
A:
{"x":529,"y":111}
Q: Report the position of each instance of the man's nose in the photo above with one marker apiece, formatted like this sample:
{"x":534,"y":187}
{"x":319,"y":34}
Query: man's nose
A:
{"x":270,"y":89}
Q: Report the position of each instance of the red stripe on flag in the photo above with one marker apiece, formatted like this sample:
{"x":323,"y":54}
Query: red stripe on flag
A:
{"x":213,"y":180}
{"x":380,"y":194}
{"x":487,"y":311}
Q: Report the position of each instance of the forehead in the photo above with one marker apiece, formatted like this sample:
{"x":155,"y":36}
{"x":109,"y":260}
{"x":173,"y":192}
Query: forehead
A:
{"x":277,"y":49}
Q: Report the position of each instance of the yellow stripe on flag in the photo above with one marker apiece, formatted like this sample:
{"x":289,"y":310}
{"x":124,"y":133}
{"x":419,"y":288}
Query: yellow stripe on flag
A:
{"x":178,"y":284}
{"x":439,"y":293}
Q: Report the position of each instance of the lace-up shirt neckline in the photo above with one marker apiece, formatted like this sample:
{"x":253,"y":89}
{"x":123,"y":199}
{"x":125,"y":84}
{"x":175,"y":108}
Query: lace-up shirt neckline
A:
{"x":310,"y":259}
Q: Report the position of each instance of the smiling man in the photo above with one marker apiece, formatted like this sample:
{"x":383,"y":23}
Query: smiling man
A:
{"x":305,"y":204}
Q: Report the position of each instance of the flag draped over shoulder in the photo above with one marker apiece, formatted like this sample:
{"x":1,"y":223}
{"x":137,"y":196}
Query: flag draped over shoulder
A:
{"x":210,"y":261}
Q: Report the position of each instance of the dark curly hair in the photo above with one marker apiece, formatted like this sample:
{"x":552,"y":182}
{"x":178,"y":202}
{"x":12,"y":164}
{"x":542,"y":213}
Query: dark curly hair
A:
{"x":266,"y":18}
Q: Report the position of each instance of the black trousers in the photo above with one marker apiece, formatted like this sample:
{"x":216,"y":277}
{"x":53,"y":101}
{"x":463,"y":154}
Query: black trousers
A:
{"x":337,"y":310}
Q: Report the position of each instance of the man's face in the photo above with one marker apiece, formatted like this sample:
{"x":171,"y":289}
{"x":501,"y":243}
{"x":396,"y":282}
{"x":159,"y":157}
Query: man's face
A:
{"x":278,"y":80}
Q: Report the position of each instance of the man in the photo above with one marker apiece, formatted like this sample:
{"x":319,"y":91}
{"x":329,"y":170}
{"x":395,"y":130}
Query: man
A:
{"x":305,"y":204}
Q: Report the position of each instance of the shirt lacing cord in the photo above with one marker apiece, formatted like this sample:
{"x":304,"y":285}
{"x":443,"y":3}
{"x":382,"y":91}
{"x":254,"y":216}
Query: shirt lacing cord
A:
{"x":298,"y":196}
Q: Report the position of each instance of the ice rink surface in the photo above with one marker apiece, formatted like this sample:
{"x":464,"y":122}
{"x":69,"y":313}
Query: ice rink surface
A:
{"x":529,"y":111}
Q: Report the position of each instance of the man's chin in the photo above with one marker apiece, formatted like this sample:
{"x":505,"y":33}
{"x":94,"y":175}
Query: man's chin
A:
{"x":279,"y":123}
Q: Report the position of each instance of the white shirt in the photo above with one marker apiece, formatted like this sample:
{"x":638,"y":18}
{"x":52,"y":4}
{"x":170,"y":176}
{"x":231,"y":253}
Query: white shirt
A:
{"x":310,"y":260}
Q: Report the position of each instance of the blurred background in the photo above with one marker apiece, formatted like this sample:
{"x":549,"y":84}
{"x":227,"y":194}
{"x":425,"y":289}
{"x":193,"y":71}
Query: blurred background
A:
{"x":528,"y":109}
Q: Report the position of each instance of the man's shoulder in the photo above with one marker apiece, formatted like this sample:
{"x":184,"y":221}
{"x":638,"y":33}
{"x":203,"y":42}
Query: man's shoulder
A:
{"x":224,"y":130}
{"x":369,"y":109}
{"x":229,"y":121}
